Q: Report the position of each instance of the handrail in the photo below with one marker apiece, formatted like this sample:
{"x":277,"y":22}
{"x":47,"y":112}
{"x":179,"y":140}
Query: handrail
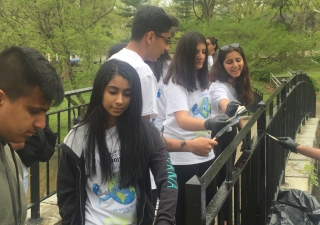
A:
{"x":61,"y":121}
{"x":275,"y":80}
{"x":256,"y":176}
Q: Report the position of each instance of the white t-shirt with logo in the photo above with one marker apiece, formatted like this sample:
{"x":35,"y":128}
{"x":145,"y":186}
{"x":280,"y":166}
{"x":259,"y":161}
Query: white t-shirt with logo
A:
{"x":106,"y":203}
{"x":198,"y":105}
{"x":147,"y":79}
{"x":218,"y":91}
{"x":161,"y":108}
{"x":161,"y":100}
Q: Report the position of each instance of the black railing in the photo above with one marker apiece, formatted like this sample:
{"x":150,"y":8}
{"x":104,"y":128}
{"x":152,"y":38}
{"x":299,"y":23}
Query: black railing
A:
{"x":62,"y":120}
{"x":252,"y":183}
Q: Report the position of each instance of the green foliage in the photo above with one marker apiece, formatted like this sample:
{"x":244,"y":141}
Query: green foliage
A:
{"x":315,"y":84}
{"x":183,"y":9}
{"x":267,"y":45}
{"x":311,"y":171}
{"x":129,"y":7}
{"x":89,"y":27}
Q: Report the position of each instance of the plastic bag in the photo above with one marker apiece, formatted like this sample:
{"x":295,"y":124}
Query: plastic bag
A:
{"x":295,"y":207}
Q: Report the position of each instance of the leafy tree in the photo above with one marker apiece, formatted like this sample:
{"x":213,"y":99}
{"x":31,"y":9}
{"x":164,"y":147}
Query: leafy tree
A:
{"x":183,"y":8}
{"x":128,"y":8}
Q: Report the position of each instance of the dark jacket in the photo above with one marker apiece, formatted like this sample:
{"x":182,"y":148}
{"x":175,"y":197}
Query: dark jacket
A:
{"x":72,"y":178}
{"x":38,"y":147}
{"x":13,"y":205}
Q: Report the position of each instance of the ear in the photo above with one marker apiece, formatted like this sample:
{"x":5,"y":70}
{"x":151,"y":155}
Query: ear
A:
{"x":150,"y":35}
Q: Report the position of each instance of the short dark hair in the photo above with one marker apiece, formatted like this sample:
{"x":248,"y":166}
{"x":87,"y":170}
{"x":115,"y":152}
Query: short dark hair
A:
{"x":213,"y":41}
{"x":116,"y":48}
{"x":182,"y":69}
{"x":151,"y":18}
{"x":242,"y":83}
{"x":23,"y":68}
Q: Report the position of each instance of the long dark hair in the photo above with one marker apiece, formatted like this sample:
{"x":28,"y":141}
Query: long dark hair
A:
{"x":182,"y":69}
{"x":135,"y":140}
{"x":242,"y":83}
{"x":157,"y":66}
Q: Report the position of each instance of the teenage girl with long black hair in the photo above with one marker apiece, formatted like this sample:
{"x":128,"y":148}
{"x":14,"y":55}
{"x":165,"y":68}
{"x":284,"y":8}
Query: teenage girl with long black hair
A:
{"x":103,"y":176}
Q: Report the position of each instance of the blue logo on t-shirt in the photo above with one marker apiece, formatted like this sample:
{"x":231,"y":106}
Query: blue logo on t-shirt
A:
{"x":159,"y":93}
{"x":123,"y":196}
{"x":204,"y":109}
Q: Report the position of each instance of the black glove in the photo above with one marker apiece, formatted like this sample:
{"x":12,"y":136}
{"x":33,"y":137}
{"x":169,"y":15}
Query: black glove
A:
{"x":232,"y":108}
{"x":288,"y":143}
{"x":215,"y":124}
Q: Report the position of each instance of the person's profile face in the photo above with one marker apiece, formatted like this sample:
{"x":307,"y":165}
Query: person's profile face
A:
{"x":22,"y":117}
{"x":159,"y":44}
{"x":200,"y":55}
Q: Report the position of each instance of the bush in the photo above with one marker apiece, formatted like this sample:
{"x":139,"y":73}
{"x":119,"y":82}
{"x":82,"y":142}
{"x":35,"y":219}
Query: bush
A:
{"x":315,"y":84}
{"x":260,"y":75}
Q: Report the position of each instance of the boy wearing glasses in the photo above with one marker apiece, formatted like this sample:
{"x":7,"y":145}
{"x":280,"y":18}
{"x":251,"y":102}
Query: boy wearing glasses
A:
{"x":150,"y":37}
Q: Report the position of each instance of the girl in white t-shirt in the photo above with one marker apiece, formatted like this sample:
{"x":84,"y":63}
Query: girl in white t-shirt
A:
{"x":103,"y":175}
{"x":188,"y":110}
{"x":230,"y":87}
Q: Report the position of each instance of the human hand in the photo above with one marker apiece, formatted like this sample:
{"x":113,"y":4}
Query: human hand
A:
{"x":288,"y":143}
{"x":201,"y":146}
{"x":232,"y":108}
{"x":215,"y":124}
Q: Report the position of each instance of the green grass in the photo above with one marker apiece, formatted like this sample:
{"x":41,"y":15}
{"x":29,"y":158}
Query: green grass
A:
{"x":313,"y":71}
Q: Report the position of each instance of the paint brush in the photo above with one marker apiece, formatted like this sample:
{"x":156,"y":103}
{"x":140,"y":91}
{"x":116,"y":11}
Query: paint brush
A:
{"x":274,"y":138}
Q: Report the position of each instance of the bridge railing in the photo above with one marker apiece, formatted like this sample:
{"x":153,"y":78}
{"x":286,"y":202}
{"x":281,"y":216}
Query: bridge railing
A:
{"x":242,"y":179}
{"x":251,"y":186}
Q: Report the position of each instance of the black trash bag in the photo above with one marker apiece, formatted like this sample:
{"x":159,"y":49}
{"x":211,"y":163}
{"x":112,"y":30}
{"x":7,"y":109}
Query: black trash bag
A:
{"x":295,"y":207}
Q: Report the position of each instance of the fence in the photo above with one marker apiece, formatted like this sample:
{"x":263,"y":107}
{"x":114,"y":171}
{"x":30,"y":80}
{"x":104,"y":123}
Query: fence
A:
{"x":252,"y":183}
{"x":239,"y":175}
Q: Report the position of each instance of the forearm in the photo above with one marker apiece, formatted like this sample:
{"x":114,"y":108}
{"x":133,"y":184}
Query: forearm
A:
{"x":199,"y":146}
{"x":191,"y":124}
{"x":307,"y":151}
{"x":174,"y":145}
{"x":223,"y":103}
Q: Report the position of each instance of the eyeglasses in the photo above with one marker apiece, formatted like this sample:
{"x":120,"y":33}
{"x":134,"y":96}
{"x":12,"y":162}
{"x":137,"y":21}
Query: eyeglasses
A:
{"x":167,"y":40}
{"x":234,"y":45}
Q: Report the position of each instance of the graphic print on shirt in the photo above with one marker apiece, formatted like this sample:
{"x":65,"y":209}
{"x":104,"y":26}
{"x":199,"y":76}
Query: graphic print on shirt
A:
{"x":204,"y":108}
{"x":159,"y":93}
{"x":123,"y":196}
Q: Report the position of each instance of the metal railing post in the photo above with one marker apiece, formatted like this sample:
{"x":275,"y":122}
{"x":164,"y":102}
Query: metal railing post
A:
{"x":35,"y":194}
{"x":262,"y":173}
{"x":195,"y":202}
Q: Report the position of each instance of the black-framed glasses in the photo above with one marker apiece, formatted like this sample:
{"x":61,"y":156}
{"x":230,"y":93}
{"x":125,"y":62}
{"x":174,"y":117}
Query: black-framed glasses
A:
{"x":234,"y":45}
{"x":167,"y":40}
